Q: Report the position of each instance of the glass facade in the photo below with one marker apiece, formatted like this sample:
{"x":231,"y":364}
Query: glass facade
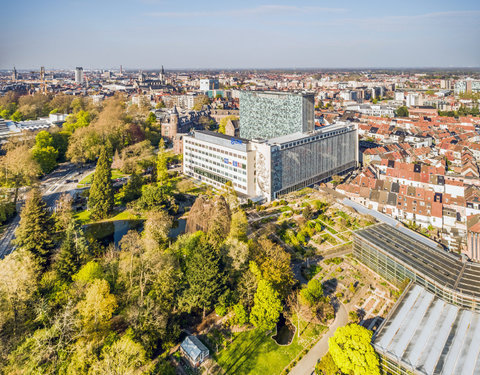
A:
{"x":310,"y":160}
{"x":268,"y":115}
{"x":396,"y":271}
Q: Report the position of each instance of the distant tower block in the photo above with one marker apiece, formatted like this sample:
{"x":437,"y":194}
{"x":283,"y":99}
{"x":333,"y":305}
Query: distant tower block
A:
{"x":79,"y":75}
{"x":42,"y":78}
{"x":14,"y":74}
{"x":121,"y":69}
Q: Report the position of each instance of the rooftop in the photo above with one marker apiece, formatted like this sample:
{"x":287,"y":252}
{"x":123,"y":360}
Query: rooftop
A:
{"x":193,"y":347}
{"x":429,"y":336}
{"x":442,"y":267}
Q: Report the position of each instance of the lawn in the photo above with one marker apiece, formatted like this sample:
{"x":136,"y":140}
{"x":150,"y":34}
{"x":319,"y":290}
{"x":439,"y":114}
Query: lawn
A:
{"x":87,"y":180}
{"x":83,"y":217}
{"x":255,"y":353}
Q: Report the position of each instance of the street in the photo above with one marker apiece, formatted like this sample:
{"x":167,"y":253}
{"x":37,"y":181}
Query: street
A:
{"x":52,"y":186}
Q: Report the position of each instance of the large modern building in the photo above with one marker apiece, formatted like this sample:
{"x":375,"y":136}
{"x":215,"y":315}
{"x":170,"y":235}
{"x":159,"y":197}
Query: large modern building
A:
{"x":266,"y":115}
{"x":280,"y":151}
{"x":215,"y":159}
{"x":79,"y":75}
{"x":467,"y":86}
{"x":267,"y":169}
{"x":434,"y":328}
{"x":208,"y":84}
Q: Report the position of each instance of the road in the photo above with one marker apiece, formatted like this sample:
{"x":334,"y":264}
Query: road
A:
{"x":307,"y":364}
{"x":52,"y":186}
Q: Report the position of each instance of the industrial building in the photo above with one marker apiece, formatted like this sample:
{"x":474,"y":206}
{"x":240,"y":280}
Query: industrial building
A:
{"x":434,"y":327}
{"x":426,"y":335}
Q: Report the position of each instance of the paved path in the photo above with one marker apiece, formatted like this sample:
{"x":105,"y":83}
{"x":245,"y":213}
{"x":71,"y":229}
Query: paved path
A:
{"x":307,"y":364}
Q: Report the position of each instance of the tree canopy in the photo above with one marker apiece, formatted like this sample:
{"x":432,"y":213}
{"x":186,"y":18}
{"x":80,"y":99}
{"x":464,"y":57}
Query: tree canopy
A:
{"x":352,"y":351}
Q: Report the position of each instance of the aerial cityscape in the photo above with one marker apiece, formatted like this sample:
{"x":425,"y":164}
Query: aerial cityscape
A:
{"x":240,"y":188}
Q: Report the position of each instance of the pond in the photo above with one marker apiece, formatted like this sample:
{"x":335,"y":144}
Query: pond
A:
{"x":107,"y":232}
{"x":285,"y":332}
{"x":178,"y":228}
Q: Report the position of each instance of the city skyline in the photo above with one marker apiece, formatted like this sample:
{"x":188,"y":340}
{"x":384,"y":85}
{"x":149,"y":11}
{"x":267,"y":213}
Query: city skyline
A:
{"x":146,"y":34}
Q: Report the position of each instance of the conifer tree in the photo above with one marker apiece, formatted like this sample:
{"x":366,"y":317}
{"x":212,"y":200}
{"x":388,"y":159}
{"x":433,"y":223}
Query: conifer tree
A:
{"x":100,"y":201}
{"x":36,"y":229}
{"x":73,"y":252}
{"x":162,"y":170}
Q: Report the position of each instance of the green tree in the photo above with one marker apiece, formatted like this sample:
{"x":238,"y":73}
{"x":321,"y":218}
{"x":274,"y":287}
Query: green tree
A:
{"x":72,"y":253}
{"x":46,"y":157}
{"x":312,"y":293}
{"x":267,"y":306}
{"x":352,"y":351}
{"x":36,"y":229}
{"x":151,"y":118}
{"x":162,"y":170}
{"x":101,"y":199}
{"x":326,"y":366}
{"x":88,"y":273}
{"x":402,"y":111}
{"x":60,"y":143}
{"x":124,"y":356}
{"x":241,"y":315}
{"x":17,"y":116}
{"x":274,"y":263}
{"x":97,"y":307}
{"x":132,"y":189}
{"x":223,"y":123}
{"x":204,"y":278}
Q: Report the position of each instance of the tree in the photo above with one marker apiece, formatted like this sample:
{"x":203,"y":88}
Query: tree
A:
{"x":267,"y":306}
{"x":101,"y":199}
{"x":223,"y":123}
{"x":60,"y":143}
{"x":240,"y":315}
{"x":19,"y":168}
{"x":239,"y":225}
{"x":201,"y":100}
{"x":73,"y":252}
{"x":307,"y":212}
{"x":18,"y":285}
{"x":97,"y":307}
{"x":274,"y":264}
{"x":132,"y":189}
{"x":17,"y":116}
{"x":64,"y":211}
{"x":237,"y":253}
{"x":203,"y":277}
{"x":402,"y":111}
{"x":36,"y":229}
{"x":46,"y":158}
{"x":162,"y":170}
{"x":157,"y":228}
{"x":352,"y":351}
{"x":151,"y":118}
{"x":326,"y":366}
{"x":312,"y":293}
{"x":124,"y":356}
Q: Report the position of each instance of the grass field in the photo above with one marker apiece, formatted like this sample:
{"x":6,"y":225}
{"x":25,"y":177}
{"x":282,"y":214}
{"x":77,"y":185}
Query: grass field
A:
{"x":87,"y":180}
{"x":84,"y":216}
{"x":255,"y":353}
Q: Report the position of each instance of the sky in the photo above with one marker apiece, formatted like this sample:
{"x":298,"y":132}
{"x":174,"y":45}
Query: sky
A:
{"x":189,"y":34}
